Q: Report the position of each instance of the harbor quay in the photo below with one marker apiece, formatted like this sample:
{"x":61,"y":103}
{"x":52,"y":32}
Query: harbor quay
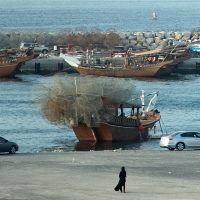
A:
{"x":152,"y":40}
{"x":45,"y":66}
{"x":52,"y":62}
{"x":151,"y":175}
{"x":138,"y":40}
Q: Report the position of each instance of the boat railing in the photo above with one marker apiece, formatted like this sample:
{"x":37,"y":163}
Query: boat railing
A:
{"x":125,"y":121}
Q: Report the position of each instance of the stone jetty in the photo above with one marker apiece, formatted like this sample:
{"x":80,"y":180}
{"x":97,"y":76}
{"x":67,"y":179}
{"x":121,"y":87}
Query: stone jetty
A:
{"x":153,"y":40}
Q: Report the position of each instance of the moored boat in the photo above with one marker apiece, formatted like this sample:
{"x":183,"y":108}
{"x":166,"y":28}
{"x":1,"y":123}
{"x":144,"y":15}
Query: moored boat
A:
{"x":134,"y":127}
{"x":7,"y":70}
{"x":72,"y":58}
{"x":109,"y":110}
{"x":154,"y":63}
{"x":10,"y":63}
{"x":154,"y":16}
{"x":120,"y":129}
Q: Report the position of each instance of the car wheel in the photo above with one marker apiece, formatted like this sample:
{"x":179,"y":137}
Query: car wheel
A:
{"x":171,"y":149}
{"x":12,"y":150}
{"x":44,"y":51}
{"x":180,"y":146}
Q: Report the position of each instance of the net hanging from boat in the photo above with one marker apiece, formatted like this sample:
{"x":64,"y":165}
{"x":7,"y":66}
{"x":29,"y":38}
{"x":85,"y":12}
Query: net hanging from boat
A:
{"x":70,"y":100}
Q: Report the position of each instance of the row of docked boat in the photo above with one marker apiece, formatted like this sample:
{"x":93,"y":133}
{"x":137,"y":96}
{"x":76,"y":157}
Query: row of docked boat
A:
{"x":142,"y":63}
{"x":154,"y":63}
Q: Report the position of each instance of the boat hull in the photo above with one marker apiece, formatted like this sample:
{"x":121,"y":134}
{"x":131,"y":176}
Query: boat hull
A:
{"x":124,"y":129}
{"x":113,"y":133}
{"x":109,"y":133}
{"x":161,"y":69}
{"x":10,"y":69}
{"x":84,"y":133}
{"x":106,"y":132}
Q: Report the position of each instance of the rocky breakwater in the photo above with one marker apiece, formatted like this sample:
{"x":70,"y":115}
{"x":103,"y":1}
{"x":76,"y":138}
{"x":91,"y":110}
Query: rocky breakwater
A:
{"x":153,"y":40}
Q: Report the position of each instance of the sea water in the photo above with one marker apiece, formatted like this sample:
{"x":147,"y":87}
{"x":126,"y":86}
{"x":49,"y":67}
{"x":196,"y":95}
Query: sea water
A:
{"x":21,"y":119}
{"x":104,"y":15}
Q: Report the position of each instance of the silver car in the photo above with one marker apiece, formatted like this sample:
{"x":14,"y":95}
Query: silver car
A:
{"x":181,"y":140}
{"x":8,"y":146}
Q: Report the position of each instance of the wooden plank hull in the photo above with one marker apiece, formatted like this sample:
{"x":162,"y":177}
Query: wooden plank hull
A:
{"x":108,"y":132}
{"x":9,"y":69}
{"x":84,"y":133}
{"x":160,"y":69}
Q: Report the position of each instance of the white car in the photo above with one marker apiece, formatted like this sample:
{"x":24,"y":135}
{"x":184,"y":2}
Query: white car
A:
{"x":37,"y":48}
{"x":181,"y":140}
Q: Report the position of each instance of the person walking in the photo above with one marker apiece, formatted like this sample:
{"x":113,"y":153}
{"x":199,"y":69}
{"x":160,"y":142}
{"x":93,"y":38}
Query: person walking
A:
{"x":122,"y":180}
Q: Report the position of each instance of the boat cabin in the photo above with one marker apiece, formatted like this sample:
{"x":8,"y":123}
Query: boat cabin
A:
{"x":120,"y":117}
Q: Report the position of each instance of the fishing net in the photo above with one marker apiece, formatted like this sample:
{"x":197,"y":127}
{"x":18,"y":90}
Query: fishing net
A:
{"x":71,"y":100}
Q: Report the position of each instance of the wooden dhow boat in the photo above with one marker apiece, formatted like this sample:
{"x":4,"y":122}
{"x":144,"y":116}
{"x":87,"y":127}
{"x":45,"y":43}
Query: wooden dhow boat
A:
{"x":154,"y":63}
{"x":10,"y":63}
{"x":100,"y":109}
{"x":133,"y":127}
{"x":121,"y":128}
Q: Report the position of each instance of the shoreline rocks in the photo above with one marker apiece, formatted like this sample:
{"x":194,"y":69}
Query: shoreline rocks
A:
{"x":152,"y":40}
{"x":104,"y":40}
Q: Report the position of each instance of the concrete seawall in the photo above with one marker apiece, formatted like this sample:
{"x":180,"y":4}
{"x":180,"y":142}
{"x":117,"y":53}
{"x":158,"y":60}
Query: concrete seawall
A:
{"x":46,"y":65}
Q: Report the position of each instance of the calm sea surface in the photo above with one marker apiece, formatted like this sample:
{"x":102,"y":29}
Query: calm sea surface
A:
{"x":21,"y":120}
{"x":87,"y":15}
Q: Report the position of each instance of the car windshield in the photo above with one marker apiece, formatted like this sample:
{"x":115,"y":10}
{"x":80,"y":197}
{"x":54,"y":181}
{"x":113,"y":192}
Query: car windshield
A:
{"x":174,"y":134}
{"x":197,"y":135}
{"x":187,"y":134}
{"x":2,"y":140}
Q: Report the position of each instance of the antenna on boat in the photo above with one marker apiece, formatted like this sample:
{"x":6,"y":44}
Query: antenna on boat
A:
{"x":76,"y":88}
{"x":152,"y":102}
{"x":87,"y":56}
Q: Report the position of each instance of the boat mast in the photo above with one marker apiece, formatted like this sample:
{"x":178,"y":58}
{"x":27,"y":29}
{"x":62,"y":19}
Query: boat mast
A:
{"x":142,"y":101}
